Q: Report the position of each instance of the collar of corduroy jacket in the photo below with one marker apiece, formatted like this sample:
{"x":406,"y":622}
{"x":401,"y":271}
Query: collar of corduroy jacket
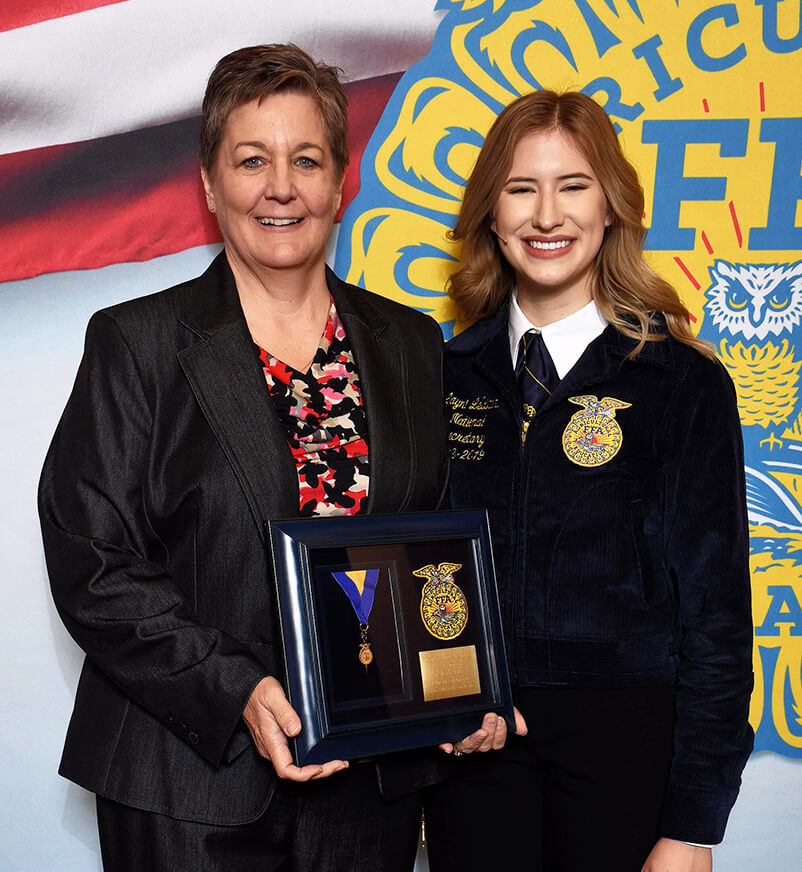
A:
{"x":616,"y":345}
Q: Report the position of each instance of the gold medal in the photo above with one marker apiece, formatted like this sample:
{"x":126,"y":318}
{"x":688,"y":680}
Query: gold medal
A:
{"x":365,"y":654}
{"x":443,"y":607}
{"x":359,"y":586}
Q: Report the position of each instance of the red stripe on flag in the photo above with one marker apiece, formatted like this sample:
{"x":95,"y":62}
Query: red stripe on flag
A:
{"x":20,"y":13}
{"x":129,"y":197}
{"x":86,"y":235}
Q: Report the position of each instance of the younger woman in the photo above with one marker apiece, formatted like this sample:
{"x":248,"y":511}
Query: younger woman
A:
{"x":605,"y":444}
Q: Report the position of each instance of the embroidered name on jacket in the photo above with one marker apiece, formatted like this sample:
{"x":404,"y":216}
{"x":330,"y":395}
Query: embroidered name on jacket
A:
{"x":593,"y":436}
{"x":467,"y":422}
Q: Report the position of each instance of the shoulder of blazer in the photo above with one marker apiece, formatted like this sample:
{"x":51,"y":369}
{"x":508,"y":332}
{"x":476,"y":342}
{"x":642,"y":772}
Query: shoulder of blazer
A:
{"x":209,"y":303}
{"x":202,"y":305}
{"x":385,"y":317}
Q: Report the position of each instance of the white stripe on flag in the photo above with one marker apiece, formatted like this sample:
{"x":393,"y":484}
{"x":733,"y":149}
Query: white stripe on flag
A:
{"x":142,"y":63}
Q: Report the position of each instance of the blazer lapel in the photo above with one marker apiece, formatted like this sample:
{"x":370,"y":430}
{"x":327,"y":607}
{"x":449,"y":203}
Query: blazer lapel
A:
{"x":383,"y":375}
{"x":223,"y":371}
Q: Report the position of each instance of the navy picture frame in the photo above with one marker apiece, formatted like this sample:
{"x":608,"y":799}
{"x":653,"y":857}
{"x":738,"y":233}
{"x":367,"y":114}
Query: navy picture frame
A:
{"x":348,"y":710}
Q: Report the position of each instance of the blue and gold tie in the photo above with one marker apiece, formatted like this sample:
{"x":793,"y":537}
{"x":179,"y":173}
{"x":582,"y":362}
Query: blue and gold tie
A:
{"x":535,"y":374}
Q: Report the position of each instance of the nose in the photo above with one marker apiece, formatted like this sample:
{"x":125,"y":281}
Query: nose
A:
{"x":547,"y":213}
{"x":279,"y":183}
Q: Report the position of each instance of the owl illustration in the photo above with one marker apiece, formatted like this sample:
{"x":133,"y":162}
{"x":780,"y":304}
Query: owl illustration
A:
{"x":752,"y":302}
{"x":754,"y":313}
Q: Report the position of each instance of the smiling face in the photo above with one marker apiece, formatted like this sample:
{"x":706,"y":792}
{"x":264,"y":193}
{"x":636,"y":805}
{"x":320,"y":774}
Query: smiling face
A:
{"x":550,"y":218}
{"x":274,"y":187}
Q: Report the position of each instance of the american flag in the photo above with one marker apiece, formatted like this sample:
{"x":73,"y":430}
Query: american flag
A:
{"x":100,"y":103}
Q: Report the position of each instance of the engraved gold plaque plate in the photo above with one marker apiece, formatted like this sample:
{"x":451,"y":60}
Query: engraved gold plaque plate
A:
{"x":449,"y":672}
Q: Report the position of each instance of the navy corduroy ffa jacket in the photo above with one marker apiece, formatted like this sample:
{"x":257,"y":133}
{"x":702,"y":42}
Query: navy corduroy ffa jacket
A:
{"x":620,"y":538}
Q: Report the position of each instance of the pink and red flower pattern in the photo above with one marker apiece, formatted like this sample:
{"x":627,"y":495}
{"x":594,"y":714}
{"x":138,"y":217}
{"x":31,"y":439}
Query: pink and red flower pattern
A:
{"x":323,"y":415}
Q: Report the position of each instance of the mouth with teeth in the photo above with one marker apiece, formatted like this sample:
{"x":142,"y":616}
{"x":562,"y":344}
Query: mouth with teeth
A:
{"x":556,"y":245}
{"x":278,"y":222}
{"x":548,"y":249}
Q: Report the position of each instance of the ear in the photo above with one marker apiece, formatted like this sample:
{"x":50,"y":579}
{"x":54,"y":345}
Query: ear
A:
{"x":493,"y":223}
{"x":338,"y":197}
{"x":608,"y":216}
{"x":207,"y":187}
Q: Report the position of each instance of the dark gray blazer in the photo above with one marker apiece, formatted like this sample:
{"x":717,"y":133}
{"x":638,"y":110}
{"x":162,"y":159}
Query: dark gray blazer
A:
{"x":167,"y":462}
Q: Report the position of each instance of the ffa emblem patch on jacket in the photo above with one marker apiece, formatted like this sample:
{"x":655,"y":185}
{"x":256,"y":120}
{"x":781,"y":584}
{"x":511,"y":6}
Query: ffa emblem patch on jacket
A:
{"x":443,"y":608}
{"x":593,"y":436}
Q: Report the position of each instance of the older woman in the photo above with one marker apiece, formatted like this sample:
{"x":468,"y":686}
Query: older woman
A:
{"x":264,"y":388}
{"x":612,"y":471}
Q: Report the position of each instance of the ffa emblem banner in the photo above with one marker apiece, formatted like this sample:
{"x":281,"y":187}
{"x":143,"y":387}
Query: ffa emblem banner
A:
{"x":705,"y":96}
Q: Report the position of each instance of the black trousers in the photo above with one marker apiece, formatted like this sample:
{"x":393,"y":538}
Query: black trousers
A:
{"x":582,"y":791}
{"x":335,"y":825}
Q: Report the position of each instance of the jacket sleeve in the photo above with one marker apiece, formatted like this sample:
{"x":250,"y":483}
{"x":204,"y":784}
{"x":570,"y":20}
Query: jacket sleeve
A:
{"x":708,"y":559}
{"x":108,"y":570}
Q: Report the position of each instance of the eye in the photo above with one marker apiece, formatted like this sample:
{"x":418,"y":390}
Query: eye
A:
{"x":575,"y":187}
{"x":779,"y":299}
{"x":306,"y":161}
{"x":520,"y":189}
{"x":252,"y":161}
{"x":737,"y":299}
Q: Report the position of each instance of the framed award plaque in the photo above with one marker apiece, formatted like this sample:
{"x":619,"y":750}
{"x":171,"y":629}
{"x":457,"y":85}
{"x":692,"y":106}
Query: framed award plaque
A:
{"x":391,"y":631}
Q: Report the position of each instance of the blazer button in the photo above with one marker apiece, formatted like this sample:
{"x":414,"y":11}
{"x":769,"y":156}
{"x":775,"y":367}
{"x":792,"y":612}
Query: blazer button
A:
{"x":193,"y":738}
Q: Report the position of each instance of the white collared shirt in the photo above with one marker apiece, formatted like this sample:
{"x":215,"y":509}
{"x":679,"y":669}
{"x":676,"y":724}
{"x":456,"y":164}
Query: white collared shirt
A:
{"x":565,"y":339}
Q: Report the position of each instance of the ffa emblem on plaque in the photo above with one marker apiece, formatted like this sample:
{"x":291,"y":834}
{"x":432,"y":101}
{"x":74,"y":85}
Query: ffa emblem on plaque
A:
{"x":443,"y":607}
{"x":593,"y":436}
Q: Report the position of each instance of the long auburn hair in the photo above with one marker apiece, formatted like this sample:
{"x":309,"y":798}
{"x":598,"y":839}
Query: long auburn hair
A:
{"x":627,"y":291}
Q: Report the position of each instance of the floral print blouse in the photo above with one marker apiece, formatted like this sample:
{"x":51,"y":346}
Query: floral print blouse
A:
{"x":322,"y":412}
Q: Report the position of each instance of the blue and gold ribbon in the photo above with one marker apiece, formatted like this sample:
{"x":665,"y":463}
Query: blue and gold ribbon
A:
{"x":360,"y":588}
